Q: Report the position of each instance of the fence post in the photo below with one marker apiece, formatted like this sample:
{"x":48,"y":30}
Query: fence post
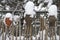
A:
{"x":16,"y":31}
{"x":12,"y":31}
{"x":3,"y":30}
{"x":20,"y":27}
{"x":42,"y":25}
{"x":46,"y":31}
{"x":55,"y":33}
{"x":35,"y":27}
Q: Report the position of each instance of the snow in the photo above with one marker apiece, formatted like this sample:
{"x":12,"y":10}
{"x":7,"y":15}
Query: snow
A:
{"x":37,"y":8}
{"x":52,"y":10}
{"x":3,"y":1}
{"x":8,"y":15}
{"x":40,"y":8}
{"x":7,"y":7}
{"x":33,"y":37}
{"x":42,"y":15}
{"x":16,"y":17}
{"x":49,"y":2}
{"x":29,"y":9}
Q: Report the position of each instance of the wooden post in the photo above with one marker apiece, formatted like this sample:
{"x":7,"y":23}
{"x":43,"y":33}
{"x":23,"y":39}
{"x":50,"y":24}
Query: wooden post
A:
{"x":20,"y":27}
{"x":35,"y":27}
{"x":52,"y":34}
{"x":42,"y":33}
{"x":6,"y":30}
{"x":26,"y":32}
{"x":28,"y":20}
{"x":42,"y":27}
{"x":16,"y":31}
{"x":46,"y":30}
{"x":12,"y":23}
{"x":59,"y":33}
{"x":52,"y":21}
{"x":47,"y":34}
{"x":55,"y":30}
{"x":31,"y":32}
{"x":12,"y":31}
{"x":2,"y":31}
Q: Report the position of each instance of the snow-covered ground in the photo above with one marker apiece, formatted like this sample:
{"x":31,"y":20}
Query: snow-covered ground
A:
{"x":34,"y":38}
